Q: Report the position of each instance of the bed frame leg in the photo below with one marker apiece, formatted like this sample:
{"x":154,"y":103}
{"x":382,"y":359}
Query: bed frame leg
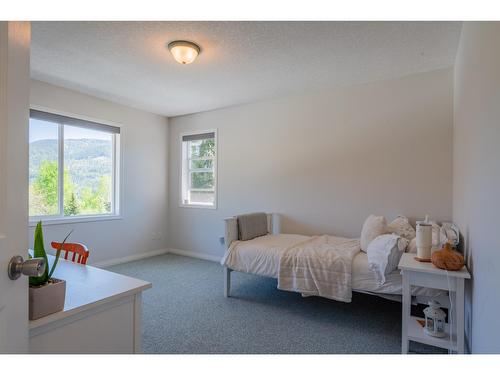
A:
{"x":227,"y":281}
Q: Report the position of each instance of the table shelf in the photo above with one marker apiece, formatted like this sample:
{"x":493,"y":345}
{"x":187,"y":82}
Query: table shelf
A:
{"x":416,"y":333}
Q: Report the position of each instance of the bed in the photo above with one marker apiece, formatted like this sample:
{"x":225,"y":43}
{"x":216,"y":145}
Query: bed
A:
{"x":261,"y":256}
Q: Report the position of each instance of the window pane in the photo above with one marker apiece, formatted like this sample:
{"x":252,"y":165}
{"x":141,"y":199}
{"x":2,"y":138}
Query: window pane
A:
{"x":43,"y":168}
{"x":202,"y":197}
{"x":201,"y":148}
{"x":202,"y":180}
{"x":202,"y":164}
{"x":88,"y":171}
{"x":198,"y":171}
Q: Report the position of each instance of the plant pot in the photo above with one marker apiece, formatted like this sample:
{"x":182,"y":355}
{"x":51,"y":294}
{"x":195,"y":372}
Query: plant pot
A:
{"x":46,"y":299}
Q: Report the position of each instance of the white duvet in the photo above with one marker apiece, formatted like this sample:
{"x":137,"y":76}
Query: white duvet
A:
{"x":319,"y":266}
{"x":261,"y":256}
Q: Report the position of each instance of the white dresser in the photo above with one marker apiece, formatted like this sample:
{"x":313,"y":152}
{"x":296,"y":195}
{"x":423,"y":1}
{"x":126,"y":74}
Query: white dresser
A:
{"x":102,"y":313}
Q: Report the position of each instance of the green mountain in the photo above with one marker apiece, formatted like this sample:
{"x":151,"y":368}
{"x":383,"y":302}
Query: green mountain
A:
{"x":86,"y":160}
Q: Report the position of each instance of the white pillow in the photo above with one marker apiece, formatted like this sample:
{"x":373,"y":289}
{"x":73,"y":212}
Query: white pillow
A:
{"x":373,"y":227}
{"x":437,"y":239}
{"x":384,"y":253}
{"x":402,"y":227}
{"x":412,"y":246}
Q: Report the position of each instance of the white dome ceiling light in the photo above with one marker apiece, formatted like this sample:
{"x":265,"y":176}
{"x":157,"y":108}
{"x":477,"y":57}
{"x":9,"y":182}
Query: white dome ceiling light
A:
{"x":184,"y":52}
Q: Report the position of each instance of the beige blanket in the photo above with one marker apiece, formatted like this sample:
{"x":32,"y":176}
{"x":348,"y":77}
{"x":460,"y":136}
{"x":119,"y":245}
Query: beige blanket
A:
{"x":319,"y":266}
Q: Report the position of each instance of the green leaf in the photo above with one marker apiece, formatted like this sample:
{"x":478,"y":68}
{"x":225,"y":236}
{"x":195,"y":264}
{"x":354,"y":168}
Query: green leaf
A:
{"x":58,"y":254}
{"x":39,"y":252}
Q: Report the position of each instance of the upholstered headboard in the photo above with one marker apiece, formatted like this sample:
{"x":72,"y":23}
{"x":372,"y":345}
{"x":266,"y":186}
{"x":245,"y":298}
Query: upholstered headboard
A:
{"x":231,"y":227}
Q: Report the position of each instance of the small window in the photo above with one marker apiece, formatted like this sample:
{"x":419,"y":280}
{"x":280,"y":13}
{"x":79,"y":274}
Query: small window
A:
{"x":199,"y":166}
{"x":73,"y":167}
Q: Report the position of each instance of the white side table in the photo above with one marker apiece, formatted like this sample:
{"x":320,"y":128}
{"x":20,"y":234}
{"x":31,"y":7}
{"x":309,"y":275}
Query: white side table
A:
{"x":427,"y":275}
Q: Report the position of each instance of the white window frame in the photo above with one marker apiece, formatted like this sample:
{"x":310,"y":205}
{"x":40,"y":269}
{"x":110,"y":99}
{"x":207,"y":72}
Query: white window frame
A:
{"x":117,"y":165}
{"x":183,"y":175}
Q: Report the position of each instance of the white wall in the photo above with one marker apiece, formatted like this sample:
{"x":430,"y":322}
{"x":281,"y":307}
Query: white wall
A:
{"x":476,"y":177}
{"x":325,"y":160}
{"x":144,"y":141}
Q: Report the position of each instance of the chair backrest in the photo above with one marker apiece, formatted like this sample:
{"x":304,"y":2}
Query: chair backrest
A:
{"x":75,"y":248}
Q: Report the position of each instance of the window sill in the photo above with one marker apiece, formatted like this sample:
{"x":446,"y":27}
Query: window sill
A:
{"x":73,"y":220}
{"x":206,"y":207}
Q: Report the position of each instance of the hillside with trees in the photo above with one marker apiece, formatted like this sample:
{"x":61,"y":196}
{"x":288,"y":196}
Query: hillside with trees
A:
{"x":87,"y":177}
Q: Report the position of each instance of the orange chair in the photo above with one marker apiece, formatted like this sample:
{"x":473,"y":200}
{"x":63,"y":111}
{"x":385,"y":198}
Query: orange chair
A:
{"x":75,"y":248}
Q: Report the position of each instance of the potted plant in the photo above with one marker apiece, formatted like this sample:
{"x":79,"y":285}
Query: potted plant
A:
{"x":46,"y":294}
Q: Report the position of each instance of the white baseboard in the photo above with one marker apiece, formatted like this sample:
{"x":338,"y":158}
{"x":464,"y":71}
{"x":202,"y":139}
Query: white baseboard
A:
{"x":133,"y":257}
{"x":195,"y":254}
{"x":130,"y":258}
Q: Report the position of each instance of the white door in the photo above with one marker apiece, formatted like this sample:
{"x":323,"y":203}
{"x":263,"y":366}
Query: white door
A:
{"x":14,"y":118}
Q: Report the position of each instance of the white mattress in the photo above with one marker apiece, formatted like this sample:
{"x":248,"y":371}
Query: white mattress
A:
{"x":260,"y":256}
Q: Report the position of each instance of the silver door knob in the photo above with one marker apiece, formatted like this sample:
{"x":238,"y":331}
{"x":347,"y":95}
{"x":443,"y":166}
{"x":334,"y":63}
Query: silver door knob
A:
{"x":30,"y":267}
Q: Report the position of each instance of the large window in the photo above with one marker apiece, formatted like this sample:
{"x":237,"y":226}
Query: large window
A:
{"x":199,"y":166}
{"x":73,"y":167}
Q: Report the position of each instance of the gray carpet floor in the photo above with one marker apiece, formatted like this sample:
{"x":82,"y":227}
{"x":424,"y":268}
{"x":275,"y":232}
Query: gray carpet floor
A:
{"x":186,"y":312}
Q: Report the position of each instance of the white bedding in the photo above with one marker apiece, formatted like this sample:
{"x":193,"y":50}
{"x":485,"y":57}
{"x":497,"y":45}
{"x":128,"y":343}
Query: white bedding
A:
{"x":319,"y":266}
{"x":261,"y":256}
{"x":363,"y":280}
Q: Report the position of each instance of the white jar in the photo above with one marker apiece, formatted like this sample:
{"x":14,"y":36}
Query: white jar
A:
{"x":424,"y":240}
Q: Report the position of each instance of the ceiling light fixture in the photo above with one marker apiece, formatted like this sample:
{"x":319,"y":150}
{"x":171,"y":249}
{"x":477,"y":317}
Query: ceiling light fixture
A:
{"x":184,"y":52}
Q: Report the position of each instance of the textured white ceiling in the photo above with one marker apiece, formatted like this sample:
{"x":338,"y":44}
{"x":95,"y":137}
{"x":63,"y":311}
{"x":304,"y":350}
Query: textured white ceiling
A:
{"x":127,"y":62}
